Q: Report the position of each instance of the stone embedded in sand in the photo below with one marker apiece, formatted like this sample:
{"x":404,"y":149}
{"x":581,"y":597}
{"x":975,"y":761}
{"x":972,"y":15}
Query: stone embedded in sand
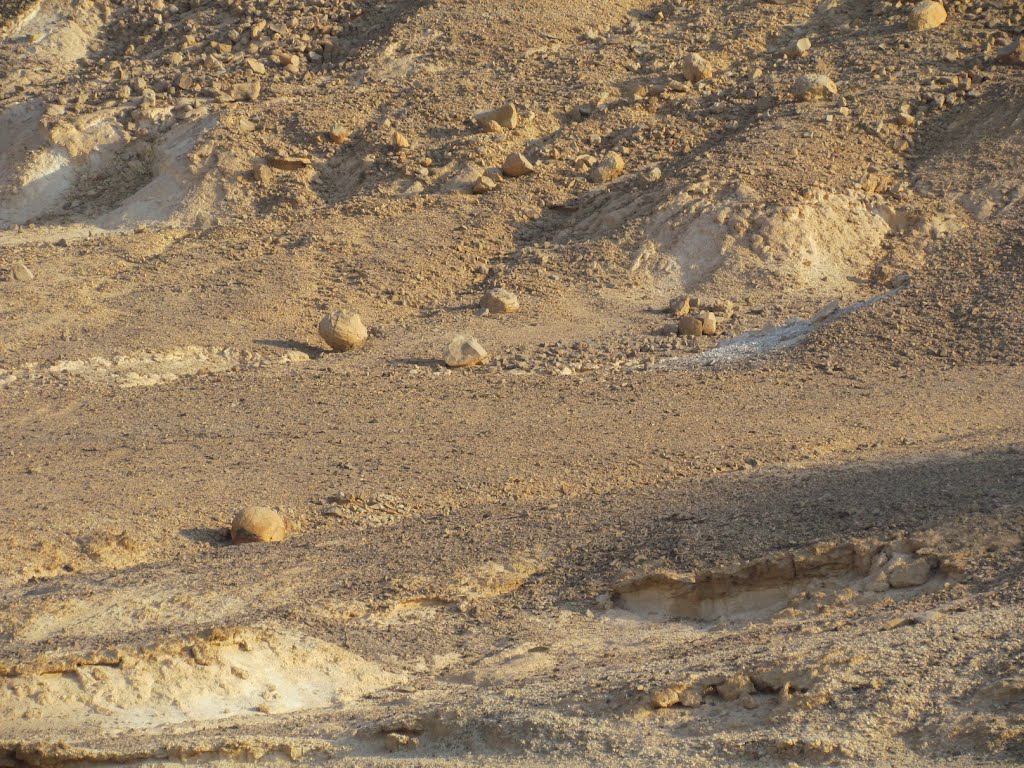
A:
{"x":257,"y":66}
{"x":343,"y":330}
{"x":663,"y":698}
{"x":695,"y":68}
{"x":611,"y":167}
{"x":1012,"y":53}
{"x":691,"y":325}
{"x":798,"y":48}
{"x":338,"y":135}
{"x":506,"y":117}
{"x":288,"y":162}
{"x":245,"y":91}
{"x":734,"y":686}
{"x":464,"y":351}
{"x":500,"y":301}
{"x":516,"y":165}
{"x":814,"y":87}
{"x":905,"y":573}
{"x":21,"y":273}
{"x":257,"y":524}
{"x":484,"y":184}
{"x":927,"y":14}
{"x":399,"y":141}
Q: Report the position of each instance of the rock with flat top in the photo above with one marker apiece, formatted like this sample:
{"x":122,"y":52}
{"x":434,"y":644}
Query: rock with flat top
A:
{"x":516,"y":165}
{"x":505,"y":117}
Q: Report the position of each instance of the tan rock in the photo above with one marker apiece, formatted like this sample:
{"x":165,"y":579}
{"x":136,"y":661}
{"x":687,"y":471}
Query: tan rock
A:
{"x":679,"y":306}
{"x":257,"y":524}
{"x":927,"y":14}
{"x":735,"y":686}
{"x":710,"y":322}
{"x":21,"y":273}
{"x":483,"y":185}
{"x":506,"y":117}
{"x":611,"y":167}
{"x":663,"y":698}
{"x":516,"y":165}
{"x":691,"y":325}
{"x":798,"y":48}
{"x":338,"y":135}
{"x":257,"y":66}
{"x":399,"y":141}
{"x":343,"y":330}
{"x":814,"y":87}
{"x":905,"y":573}
{"x":500,"y":301}
{"x":695,"y":68}
{"x":245,"y":91}
{"x":464,"y":351}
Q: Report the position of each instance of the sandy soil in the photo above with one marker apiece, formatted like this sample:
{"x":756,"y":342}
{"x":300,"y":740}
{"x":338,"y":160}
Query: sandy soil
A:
{"x":794,"y":540}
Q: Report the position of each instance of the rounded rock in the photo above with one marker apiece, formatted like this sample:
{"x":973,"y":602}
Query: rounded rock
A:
{"x":499,"y":301}
{"x":814,"y":88}
{"x":257,"y":524}
{"x":926,"y":15}
{"x":343,"y":330}
{"x":516,"y":165}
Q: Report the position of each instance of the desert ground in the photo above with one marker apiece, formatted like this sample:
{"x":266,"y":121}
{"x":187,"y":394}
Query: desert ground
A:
{"x":489,"y":383}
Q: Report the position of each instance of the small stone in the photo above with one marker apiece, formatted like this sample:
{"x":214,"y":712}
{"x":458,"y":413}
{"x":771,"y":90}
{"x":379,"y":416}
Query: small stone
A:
{"x":506,"y":117}
{"x":399,"y":141}
{"x":288,"y":163}
{"x":695,"y":68}
{"x":257,"y":524}
{"x":905,"y":573}
{"x":1012,"y":53}
{"x":927,"y":14}
{"x":500,"y":301}
{"x":175,"y":59}
{"x":611,"y":167}
{"x":710,"y":322}
{"x":798,"y":48}
{"x":257,"y":66}
{"x":679,"y":306}
{"x":245,"y":91}
{"x":484,"y":184}
{"x":663,"y":698}
{"x":464,"y":351}
{"x":814,"y":87}
{"x":516,"y":165}
{"x":263,"y":175}
{"x":21,"y":273}
{"x":691,"y":325}
{"x":338,"y":135}
{"x":343,"y":330}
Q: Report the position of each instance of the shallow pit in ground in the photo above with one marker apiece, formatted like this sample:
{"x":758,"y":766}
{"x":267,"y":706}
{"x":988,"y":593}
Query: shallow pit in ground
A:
{"x":829,"y":573}
{"x":228,"y":674}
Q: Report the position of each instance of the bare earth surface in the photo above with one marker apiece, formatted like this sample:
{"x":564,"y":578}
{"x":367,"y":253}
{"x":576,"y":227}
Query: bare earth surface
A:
{"x":794,"y":539}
